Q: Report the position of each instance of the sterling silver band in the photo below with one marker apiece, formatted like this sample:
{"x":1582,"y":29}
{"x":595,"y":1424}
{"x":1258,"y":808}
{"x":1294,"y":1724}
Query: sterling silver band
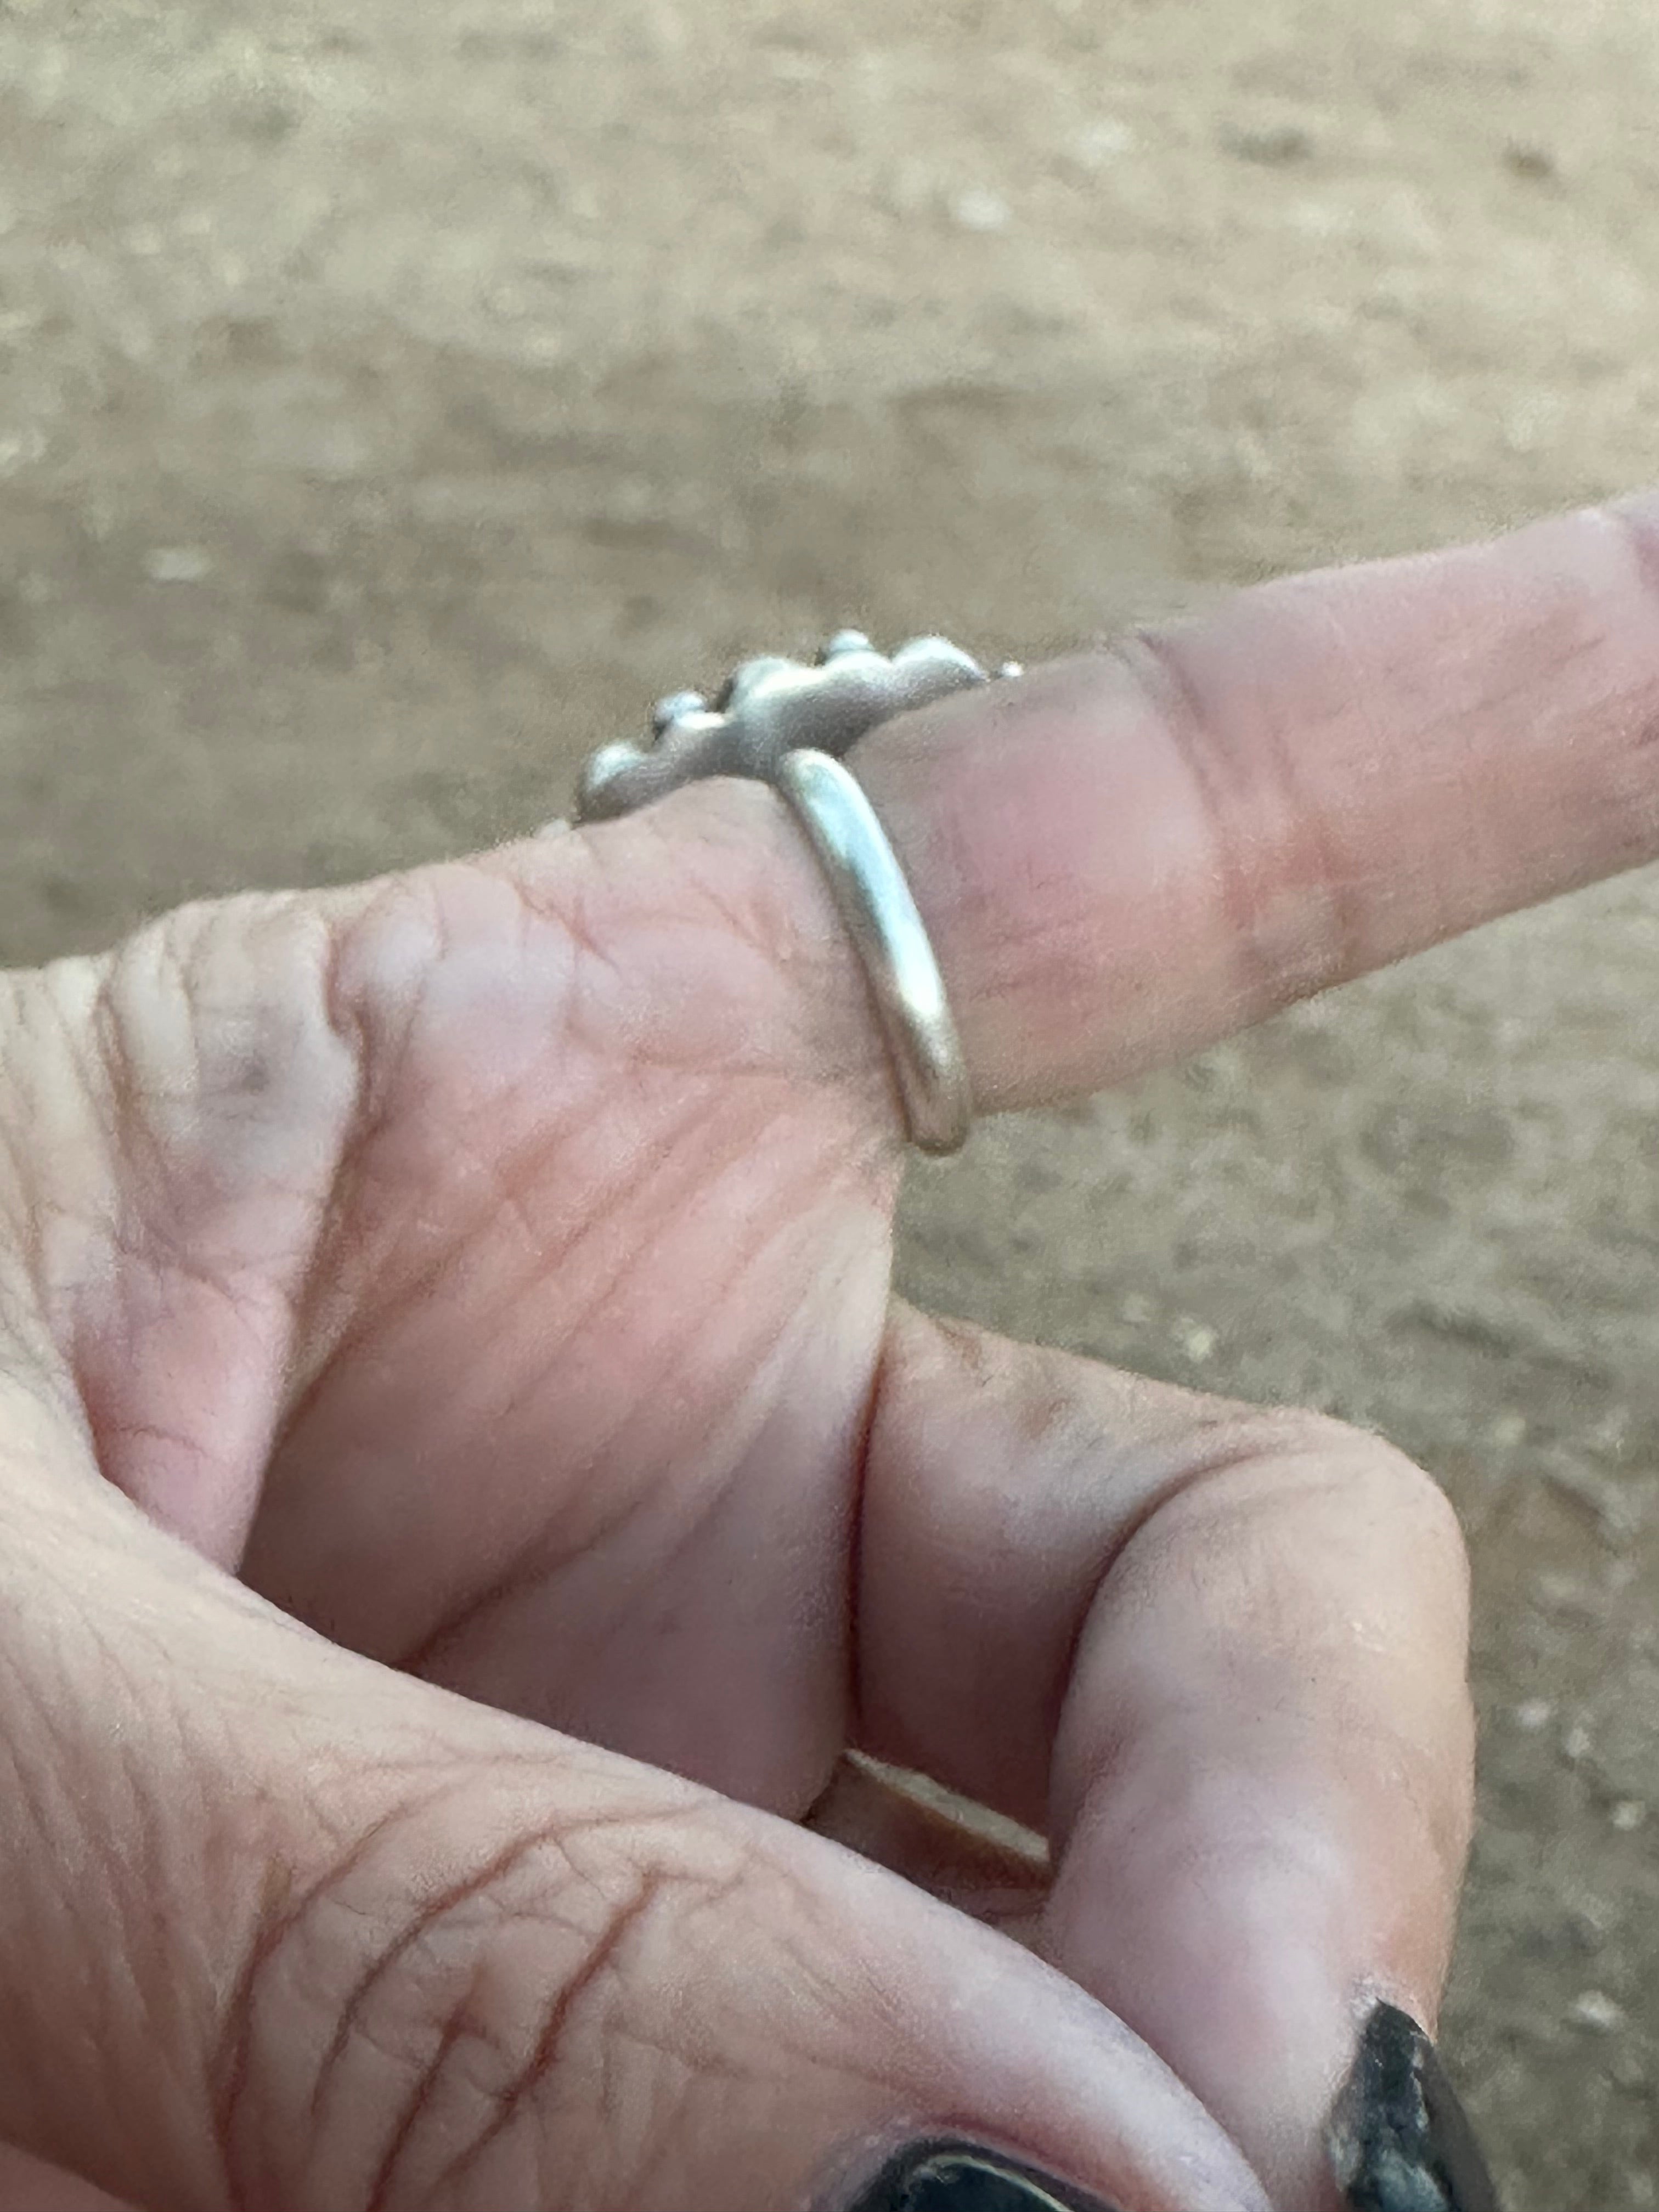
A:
{"x":906,"y":988}
{"x":786,"y":723}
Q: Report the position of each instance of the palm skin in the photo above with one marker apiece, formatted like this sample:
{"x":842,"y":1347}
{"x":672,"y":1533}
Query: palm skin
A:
{"x":599,"y":1318}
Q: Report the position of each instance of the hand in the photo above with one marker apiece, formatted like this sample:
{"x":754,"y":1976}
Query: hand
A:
{"x":489,"y":1265}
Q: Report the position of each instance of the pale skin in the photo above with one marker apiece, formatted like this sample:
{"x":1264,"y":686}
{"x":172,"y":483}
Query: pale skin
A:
{"x":490,"y":1267}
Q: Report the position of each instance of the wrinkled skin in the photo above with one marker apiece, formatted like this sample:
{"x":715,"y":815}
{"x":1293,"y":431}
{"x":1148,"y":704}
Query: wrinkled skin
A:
{"x":466,"y":1482}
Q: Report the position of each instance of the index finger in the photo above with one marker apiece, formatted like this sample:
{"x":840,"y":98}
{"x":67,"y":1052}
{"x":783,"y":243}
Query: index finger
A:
{"x":1124,"y":857}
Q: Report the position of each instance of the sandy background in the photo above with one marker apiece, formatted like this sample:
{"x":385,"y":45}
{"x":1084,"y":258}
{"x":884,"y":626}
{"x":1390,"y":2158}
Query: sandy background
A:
{"x":393,"y":397}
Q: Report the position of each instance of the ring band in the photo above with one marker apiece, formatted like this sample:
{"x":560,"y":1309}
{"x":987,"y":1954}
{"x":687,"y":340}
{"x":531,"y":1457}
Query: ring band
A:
{"x":783,"y":722}
{"x":906,"y":988}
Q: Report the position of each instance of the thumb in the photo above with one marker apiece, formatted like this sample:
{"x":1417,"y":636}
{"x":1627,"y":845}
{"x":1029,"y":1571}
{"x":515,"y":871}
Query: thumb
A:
{"x":281,"y":1928}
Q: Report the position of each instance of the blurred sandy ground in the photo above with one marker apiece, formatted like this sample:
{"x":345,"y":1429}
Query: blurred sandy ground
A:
{"x":393,"y":398}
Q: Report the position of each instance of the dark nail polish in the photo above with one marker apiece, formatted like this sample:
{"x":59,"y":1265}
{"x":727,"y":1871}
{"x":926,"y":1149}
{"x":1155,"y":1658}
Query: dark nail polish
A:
{"x":956,"y":2176}
{"x":1398,"y":2137}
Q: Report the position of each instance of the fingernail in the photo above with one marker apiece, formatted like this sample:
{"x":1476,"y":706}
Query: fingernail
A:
{"x":958,"y":2176}
{"x":1398,"y":2137}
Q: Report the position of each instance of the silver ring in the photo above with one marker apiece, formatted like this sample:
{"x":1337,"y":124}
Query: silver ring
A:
{"x":771,"y":706}
{"x":906,"y":988}
{"x":787,"y":723}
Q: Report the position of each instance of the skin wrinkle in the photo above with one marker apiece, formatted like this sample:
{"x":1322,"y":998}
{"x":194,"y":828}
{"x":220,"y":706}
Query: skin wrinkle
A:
{"x":765,"y":918}
{"x":563,"y":2010}
{"x":32,"y":1367}
{"x":1071,"y":947}
{"x":498,"y":1201}
{"x":1481,"y":851}
{"x":119,"y":1088}
{"x":1230,"y":1439}
{"x":1385,"y":1471}
{"x":652,"y":2160}
{"x":770,"y":902}
{"x":503,"y":1188}
{"x":171,"y":1263}
{"x":139,"y":1475}
{"x":537,"y":1566}
{"x":650,"y":2155}
{"x":458,"y":2024}
{"x":173,"y":963}
{"x":1623,"y":806}
{"x":151,"y":1868}
{"x":1300,"y":849}
{"x":599,"y":984}
{"x":283,"y":1919}
{"x":767,"y":914}
{"x":125,"y":1862}
{"x":1248,"y":1437}
{"x":530,"y":1567}
{"x":431,"y":1913}
{"x":284,"y":1913}
{"x":35,"y":998}
{"x":24,"y":1776}
{"x":622,"y":1917}
{"x":352,"y":1341}
{"x":1128,"y":1807}
{"x":378,"y":1035}
{"x":683,"y":1181}
{"x":346,"y":1345}
{"x":596,"y":1031}
{"x":415,"y":1291}
{"x":281,"y":1915}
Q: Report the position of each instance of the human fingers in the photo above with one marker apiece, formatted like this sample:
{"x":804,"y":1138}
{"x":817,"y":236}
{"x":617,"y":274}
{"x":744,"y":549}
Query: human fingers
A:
{"x":1219,"y":1657}
{"x":1115,"y":868}
{"x":279,"y":1929}
{"x":1121,"y":857}
{"x":363,"y":1221}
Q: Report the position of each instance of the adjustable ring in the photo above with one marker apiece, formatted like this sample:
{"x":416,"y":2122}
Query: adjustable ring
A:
{"x":906,"y":988}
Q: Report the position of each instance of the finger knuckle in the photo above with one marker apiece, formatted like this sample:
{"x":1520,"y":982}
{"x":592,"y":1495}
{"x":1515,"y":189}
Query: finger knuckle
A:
{"x":1281,"y":873}
{"x":213,"y":1019}
{"x":1272,"y":1489}
{"x":1375,"y":1474}
{"x":1374,"y":1486}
